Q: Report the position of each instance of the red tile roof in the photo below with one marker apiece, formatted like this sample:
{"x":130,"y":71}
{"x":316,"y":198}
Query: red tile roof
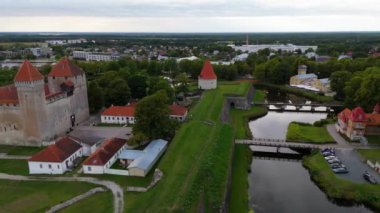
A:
{"x":65,"y":68}
{"x":27,"y":73}
{"x":58,"y":152}
{"x":177,"y":110}
{"x":207,"y":72}
{"x":8,"y":94}
{"x":358,"y":115}
{"x":105,"y":152}
{"x":128,"y":111}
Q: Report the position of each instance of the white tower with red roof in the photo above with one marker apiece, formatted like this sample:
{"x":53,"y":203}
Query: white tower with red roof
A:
{"x":207,"y":78}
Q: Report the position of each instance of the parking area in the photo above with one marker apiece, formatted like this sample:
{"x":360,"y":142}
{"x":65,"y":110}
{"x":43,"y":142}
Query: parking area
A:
{"x":101,"y":132}
{"x":355,"y":166}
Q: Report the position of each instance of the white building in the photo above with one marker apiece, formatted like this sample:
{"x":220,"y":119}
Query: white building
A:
{"x":207,"y":78}
{"x":139,"y":162}
{"x":104,"y":157}
{"x":273,"y":47}
{"x":17,"y":63}
{"x":56,"y":158}
{"x":241,"y":57}
{"x":191,"y":58}
{"x":126,"y":114}
{"x":90,"y":56}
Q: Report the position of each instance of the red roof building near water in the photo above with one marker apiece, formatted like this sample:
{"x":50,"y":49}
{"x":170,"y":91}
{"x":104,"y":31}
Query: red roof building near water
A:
{"x":177,"y":110}
{"x":8,"y":94}
{"x":58,"y":152}
{"x":358,"y":115}
{"x":65,"y":68}
{"x":105,"y":152}
{"x":27,"y":73}
{"x":207,"y":72}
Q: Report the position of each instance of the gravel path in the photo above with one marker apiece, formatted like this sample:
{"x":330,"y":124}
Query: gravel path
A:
{"x":116,"y":190}
{"x":337,"y":137}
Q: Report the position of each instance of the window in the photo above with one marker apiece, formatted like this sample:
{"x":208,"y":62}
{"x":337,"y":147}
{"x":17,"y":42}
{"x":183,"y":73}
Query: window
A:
{"x":58,"y":166}
{"x":41,"y":166}
{"x":49,"y":166}
{"x":89,"y":168}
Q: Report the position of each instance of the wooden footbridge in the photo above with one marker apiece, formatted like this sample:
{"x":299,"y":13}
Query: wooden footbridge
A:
{"x":288,"y":144}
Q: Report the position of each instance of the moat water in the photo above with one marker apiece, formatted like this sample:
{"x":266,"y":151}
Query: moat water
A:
{"x":280,"y":185}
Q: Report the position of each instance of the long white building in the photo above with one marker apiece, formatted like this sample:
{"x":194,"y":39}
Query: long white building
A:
{"x":273,"y":47}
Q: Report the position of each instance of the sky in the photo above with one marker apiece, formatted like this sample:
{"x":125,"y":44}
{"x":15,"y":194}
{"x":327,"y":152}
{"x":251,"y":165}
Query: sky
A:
{"x":189,"y":15}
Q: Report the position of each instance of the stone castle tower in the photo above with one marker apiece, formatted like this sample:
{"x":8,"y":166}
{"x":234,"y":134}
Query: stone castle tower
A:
{"x":33,"y":112}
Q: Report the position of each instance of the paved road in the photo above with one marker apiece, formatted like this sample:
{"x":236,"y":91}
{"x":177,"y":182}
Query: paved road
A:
{"x":337,"y":137}
{"x":117,"y":191}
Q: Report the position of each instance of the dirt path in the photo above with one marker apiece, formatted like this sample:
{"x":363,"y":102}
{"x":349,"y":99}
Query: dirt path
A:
{"x":117,"y":191}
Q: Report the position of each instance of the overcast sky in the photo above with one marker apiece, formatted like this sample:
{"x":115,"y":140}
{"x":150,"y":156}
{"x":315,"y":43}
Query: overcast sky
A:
{"x":189,"y":15}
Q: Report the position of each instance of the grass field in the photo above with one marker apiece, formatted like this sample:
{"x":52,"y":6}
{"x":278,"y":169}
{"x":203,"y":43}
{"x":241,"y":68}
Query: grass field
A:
{"x":338,"y":188}
{"x":370,"y":154}
{"x":100,"y":202}
{"x":22,"y":196}
{"x":196,"y":163}
{"x":15,"y":167}
{"x":299,"y":132}
{"x":19,"y":150}
{"x":373,"y":139}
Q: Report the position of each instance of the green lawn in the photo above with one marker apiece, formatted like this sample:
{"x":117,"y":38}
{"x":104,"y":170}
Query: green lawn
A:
{"x":370,"y":154}
{"x":373,"y":139}
{"x":19,"y":150}
{"x":100,"y":202}
{"x":338,"y":188}
{"x":299,"y":132}
{"x":196,"y":163}
{"x":15,"y":167}
{"x":260,"y":96}
{"x":36,"y":196}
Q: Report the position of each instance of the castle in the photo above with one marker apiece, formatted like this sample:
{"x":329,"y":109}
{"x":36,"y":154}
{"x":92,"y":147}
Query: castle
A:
{"x":34,"y":111}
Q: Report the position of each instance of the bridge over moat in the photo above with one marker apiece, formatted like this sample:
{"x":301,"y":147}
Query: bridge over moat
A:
{"x":299,"y":106}
{"x":289,"y":144}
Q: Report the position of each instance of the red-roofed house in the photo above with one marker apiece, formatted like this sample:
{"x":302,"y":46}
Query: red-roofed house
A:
{"x":56,"y":158}
{"x":356,"y":123}
{"x":207,"y":78}
{"x":105,"y":155}
{"x":126,"y":114}
{"x":119,"y":115}
{"x":178,"y":112}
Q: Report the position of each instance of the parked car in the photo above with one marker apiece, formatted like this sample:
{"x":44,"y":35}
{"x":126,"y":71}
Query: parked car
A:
{"x":337,"y":165}
{"x":336,"y":160}
{"x":326,"y":154}
{"x":368,"y":177}
{"x":340,"y":170}
{"x":330,"y":157}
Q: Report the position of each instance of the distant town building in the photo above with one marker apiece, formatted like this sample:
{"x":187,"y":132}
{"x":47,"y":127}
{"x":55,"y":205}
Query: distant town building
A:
{"x":273,"y":47}
{"x":126,"y":114}
{"x":91,"y":56}
{"x":356,"y":123}
{"x":17,"y":63}
{"x":33,"y":112}
{"x":241,"y":57}
{"x":309,"y":81}
{"x":207,"y":79}
{"x":191,"y":58}
{"x":56,"y":158}
{"x":321,"y":59}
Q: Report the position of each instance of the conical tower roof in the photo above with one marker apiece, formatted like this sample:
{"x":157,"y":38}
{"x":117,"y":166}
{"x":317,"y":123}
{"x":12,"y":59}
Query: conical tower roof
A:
{"x":207,"y":72}
{"x":27,"y":73}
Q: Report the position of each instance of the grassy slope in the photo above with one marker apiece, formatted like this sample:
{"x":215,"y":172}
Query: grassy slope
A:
{"x":97,"y":203}
{"x":370,"y":154}
{"x":22,"y":196}
{"x":16,"y":167}
{"x":373,"y":139}
{"x":339,"y":188}
{"x":19,"y":150}
{"x":242,"y":154}
{"x":196,"y":163}
{"x":308,"y":133}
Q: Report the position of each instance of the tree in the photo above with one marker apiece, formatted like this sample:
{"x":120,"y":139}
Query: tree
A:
{"x":152,"y":116}
{"x":157,"y":83}
{"x":138,"y":84}
{"x":183,"y":83}
{"x":95,"y":96}
{"x":338,"y":80}
{"x":118,"y":92}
